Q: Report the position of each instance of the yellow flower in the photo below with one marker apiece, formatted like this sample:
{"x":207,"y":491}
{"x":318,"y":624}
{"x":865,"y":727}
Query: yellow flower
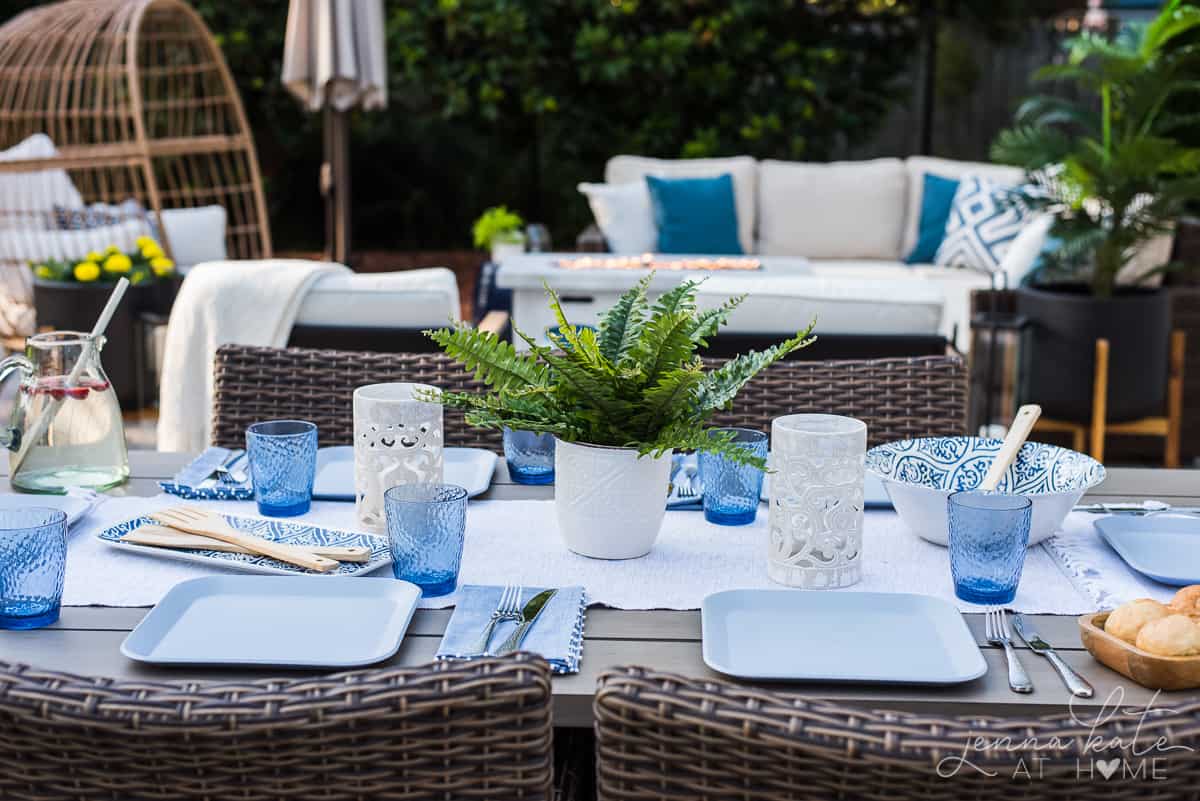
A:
{"x":112,"y":250}
{"x":137,"y":278}
{"x":43,"y":271}
{"x":143,"y":241}
{"x":152,"y":251}
{"x":87,"y":271}
{"x":162,"y":266}
{"x":94,"y":256}
{"x":118,"y":263}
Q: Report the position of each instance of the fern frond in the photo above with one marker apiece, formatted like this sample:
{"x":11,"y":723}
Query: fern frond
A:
{"x":671,"y":397}
{"x":721,"y":385}
{"x":620,"y":325}
{"x":665,"y":341}
{"x":709,"y":321}
{"x":678,"y":299}
{"x":494,"y":361}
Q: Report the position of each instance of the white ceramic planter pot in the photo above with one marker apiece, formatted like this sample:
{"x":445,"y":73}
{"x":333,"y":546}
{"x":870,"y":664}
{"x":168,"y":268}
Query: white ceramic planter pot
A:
{"x":506,"y":249}
{"x":610,"y":503}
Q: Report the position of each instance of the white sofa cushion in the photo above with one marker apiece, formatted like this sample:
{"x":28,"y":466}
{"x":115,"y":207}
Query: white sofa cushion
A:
{"x":743,"y":170}
{"x":624,"y":215}
{"x":918,"y":166}
{"x":196,"y":234}
{"x":31,"y":244}
{"x":406,"y":299}
{"x":38,"y":191}
{"x":842,"y":210}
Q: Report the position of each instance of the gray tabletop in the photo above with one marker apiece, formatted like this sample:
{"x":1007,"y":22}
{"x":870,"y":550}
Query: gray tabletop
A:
{"x":86,"y":640}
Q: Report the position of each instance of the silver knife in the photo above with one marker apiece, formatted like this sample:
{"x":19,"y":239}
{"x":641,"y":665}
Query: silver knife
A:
{"x":529,"y":616}
{"x":1075,"y":683}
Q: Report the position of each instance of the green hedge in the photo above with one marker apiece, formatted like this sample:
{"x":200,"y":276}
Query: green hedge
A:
{"x":515,"y":101}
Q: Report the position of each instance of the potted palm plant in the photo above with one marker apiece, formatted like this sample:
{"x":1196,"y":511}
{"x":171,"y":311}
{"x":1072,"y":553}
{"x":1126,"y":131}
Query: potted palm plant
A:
{"x":1107,"y":164}
{"x":618,"y":400}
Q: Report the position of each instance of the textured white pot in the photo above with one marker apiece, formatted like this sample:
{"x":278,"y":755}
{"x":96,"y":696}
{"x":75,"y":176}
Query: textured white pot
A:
{"x":610,"y":503}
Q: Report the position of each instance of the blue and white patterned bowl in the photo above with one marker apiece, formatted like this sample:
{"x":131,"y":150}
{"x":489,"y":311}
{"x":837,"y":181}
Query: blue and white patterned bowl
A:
{"x":920,"y":474}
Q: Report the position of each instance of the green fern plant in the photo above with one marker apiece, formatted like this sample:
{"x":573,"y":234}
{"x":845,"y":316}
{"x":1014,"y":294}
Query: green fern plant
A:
{"x":637,"y":382}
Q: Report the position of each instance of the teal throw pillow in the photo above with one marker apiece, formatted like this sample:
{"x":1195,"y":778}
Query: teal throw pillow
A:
{"x":937,"y":196}
{"x":695,"y":215}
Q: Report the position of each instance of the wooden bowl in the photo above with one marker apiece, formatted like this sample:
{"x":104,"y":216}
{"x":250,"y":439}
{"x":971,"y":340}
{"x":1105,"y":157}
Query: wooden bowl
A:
{"x":1147,"y":669}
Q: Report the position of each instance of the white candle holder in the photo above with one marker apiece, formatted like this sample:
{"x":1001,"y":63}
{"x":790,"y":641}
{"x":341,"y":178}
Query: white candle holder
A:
{"x":397,"y":440}
{"x":815,"y":514}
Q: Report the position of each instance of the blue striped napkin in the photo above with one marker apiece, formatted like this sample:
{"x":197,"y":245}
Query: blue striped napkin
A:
{"x":557,"y":636}
{"x":190,"y":482}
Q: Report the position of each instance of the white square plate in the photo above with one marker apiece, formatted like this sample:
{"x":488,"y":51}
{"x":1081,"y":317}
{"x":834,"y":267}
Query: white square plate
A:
{"x":469,"y":468}
{"x":281,"y":621}
{"x":819,"y":635}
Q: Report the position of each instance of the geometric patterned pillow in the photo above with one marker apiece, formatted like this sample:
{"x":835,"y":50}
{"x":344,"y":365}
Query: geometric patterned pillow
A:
{"x":982,"y":225}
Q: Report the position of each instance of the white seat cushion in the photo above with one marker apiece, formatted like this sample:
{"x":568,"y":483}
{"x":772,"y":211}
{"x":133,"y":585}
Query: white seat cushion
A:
{"x":918,"y":166}
{"x":624,"y":215}
{"x":841,"y":210}
{"x":406,"y":299}
{"x":196,"y":234}
{"x":743,"y":169}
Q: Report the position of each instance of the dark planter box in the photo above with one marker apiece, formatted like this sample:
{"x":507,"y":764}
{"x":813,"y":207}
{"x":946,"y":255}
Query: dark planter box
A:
{"x":1064,"y":326}
{"x":76,"y":307}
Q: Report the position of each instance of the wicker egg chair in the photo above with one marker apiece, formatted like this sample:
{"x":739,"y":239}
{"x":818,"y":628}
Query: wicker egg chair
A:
{"x":125,"y":100}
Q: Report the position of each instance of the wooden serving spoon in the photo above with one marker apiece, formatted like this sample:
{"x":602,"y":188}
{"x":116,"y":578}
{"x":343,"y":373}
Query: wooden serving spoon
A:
{"x":1018,"y":432}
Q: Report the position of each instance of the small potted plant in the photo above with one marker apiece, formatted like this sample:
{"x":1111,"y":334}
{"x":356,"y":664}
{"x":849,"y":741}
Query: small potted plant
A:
{"x":618,"y":400}
{"x":499,"y":230}
{"x":69,"y":295}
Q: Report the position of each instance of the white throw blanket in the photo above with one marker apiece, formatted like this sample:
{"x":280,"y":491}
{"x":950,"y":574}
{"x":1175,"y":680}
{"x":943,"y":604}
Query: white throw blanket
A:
{"x":221,"y":303}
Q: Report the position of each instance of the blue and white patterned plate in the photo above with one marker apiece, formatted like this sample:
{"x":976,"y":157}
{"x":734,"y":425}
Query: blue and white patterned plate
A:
{"x":291,"y":533}
{"x":920,"y":474}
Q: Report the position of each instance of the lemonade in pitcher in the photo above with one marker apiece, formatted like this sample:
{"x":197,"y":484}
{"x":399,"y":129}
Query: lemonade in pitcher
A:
{"x":64,"y":434}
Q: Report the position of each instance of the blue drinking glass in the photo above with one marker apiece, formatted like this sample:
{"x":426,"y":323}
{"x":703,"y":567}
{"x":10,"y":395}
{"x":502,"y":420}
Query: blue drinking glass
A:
{"x":732,"y":490}
{"x":33,"y":562}
{"x":989,"y":533}
{"x":426,"y":524}
{"x":283,"y":464}
{"x":530,"y":456}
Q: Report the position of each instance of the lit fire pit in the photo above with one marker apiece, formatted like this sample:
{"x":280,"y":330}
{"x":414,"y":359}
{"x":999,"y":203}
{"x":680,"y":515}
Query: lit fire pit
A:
{"x":651,"y":261}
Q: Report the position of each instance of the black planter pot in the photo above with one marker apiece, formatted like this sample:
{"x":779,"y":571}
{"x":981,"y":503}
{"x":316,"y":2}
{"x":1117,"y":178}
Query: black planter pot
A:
{"x":75,"y":307}
{"x":1067,"y":321}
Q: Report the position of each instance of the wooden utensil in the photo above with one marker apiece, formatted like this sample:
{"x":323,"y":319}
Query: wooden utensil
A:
{"x":1018,"y":432}
{"x":208,"y":524}
{"x":163,"y":537}
{"x":1147,"y":669}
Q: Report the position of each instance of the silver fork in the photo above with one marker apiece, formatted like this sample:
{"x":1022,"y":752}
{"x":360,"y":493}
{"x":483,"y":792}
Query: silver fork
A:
{"x":509,"y":608}
{"x":998,"y":633}
{"x":685,"y":486}
{"x":227,"y":475}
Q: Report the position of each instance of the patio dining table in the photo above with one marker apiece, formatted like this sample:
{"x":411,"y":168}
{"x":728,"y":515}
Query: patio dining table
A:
{"x":86,"y":640}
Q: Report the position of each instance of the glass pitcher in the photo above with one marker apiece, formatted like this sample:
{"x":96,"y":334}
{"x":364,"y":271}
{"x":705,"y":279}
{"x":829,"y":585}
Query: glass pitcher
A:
{"x":84,"y":444}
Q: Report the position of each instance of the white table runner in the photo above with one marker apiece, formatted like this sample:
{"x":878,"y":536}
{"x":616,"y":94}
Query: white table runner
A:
{"x":517,"y":542}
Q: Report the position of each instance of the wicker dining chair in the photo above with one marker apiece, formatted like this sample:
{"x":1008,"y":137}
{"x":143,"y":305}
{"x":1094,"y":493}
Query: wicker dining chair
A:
{"x":462,"y":730}
{"x":661,"y":736}
{"x":897,"y":398}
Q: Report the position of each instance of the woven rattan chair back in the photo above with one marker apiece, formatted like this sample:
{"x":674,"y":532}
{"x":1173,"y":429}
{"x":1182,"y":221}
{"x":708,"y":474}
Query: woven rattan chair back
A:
{"x":660,"y":737}
{"x":898,"y":398}
{"x":139,"y":104}
{"x":465,"y":730}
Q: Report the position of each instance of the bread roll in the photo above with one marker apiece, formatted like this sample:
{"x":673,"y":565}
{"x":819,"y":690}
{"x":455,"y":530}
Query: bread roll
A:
{"x":1127,"y":619}
{"x":1174,"y":635}
{"x":1187,"y":601}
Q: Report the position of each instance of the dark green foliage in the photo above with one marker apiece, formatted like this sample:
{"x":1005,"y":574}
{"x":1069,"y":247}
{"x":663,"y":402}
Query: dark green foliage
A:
{"x":639,"y":384}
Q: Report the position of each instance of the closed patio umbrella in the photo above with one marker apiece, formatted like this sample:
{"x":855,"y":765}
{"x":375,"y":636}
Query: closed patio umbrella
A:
{"x":334,"y":61}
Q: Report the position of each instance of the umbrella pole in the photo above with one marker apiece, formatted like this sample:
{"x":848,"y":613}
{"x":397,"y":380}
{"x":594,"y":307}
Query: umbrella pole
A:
{"x":335,"y":185}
